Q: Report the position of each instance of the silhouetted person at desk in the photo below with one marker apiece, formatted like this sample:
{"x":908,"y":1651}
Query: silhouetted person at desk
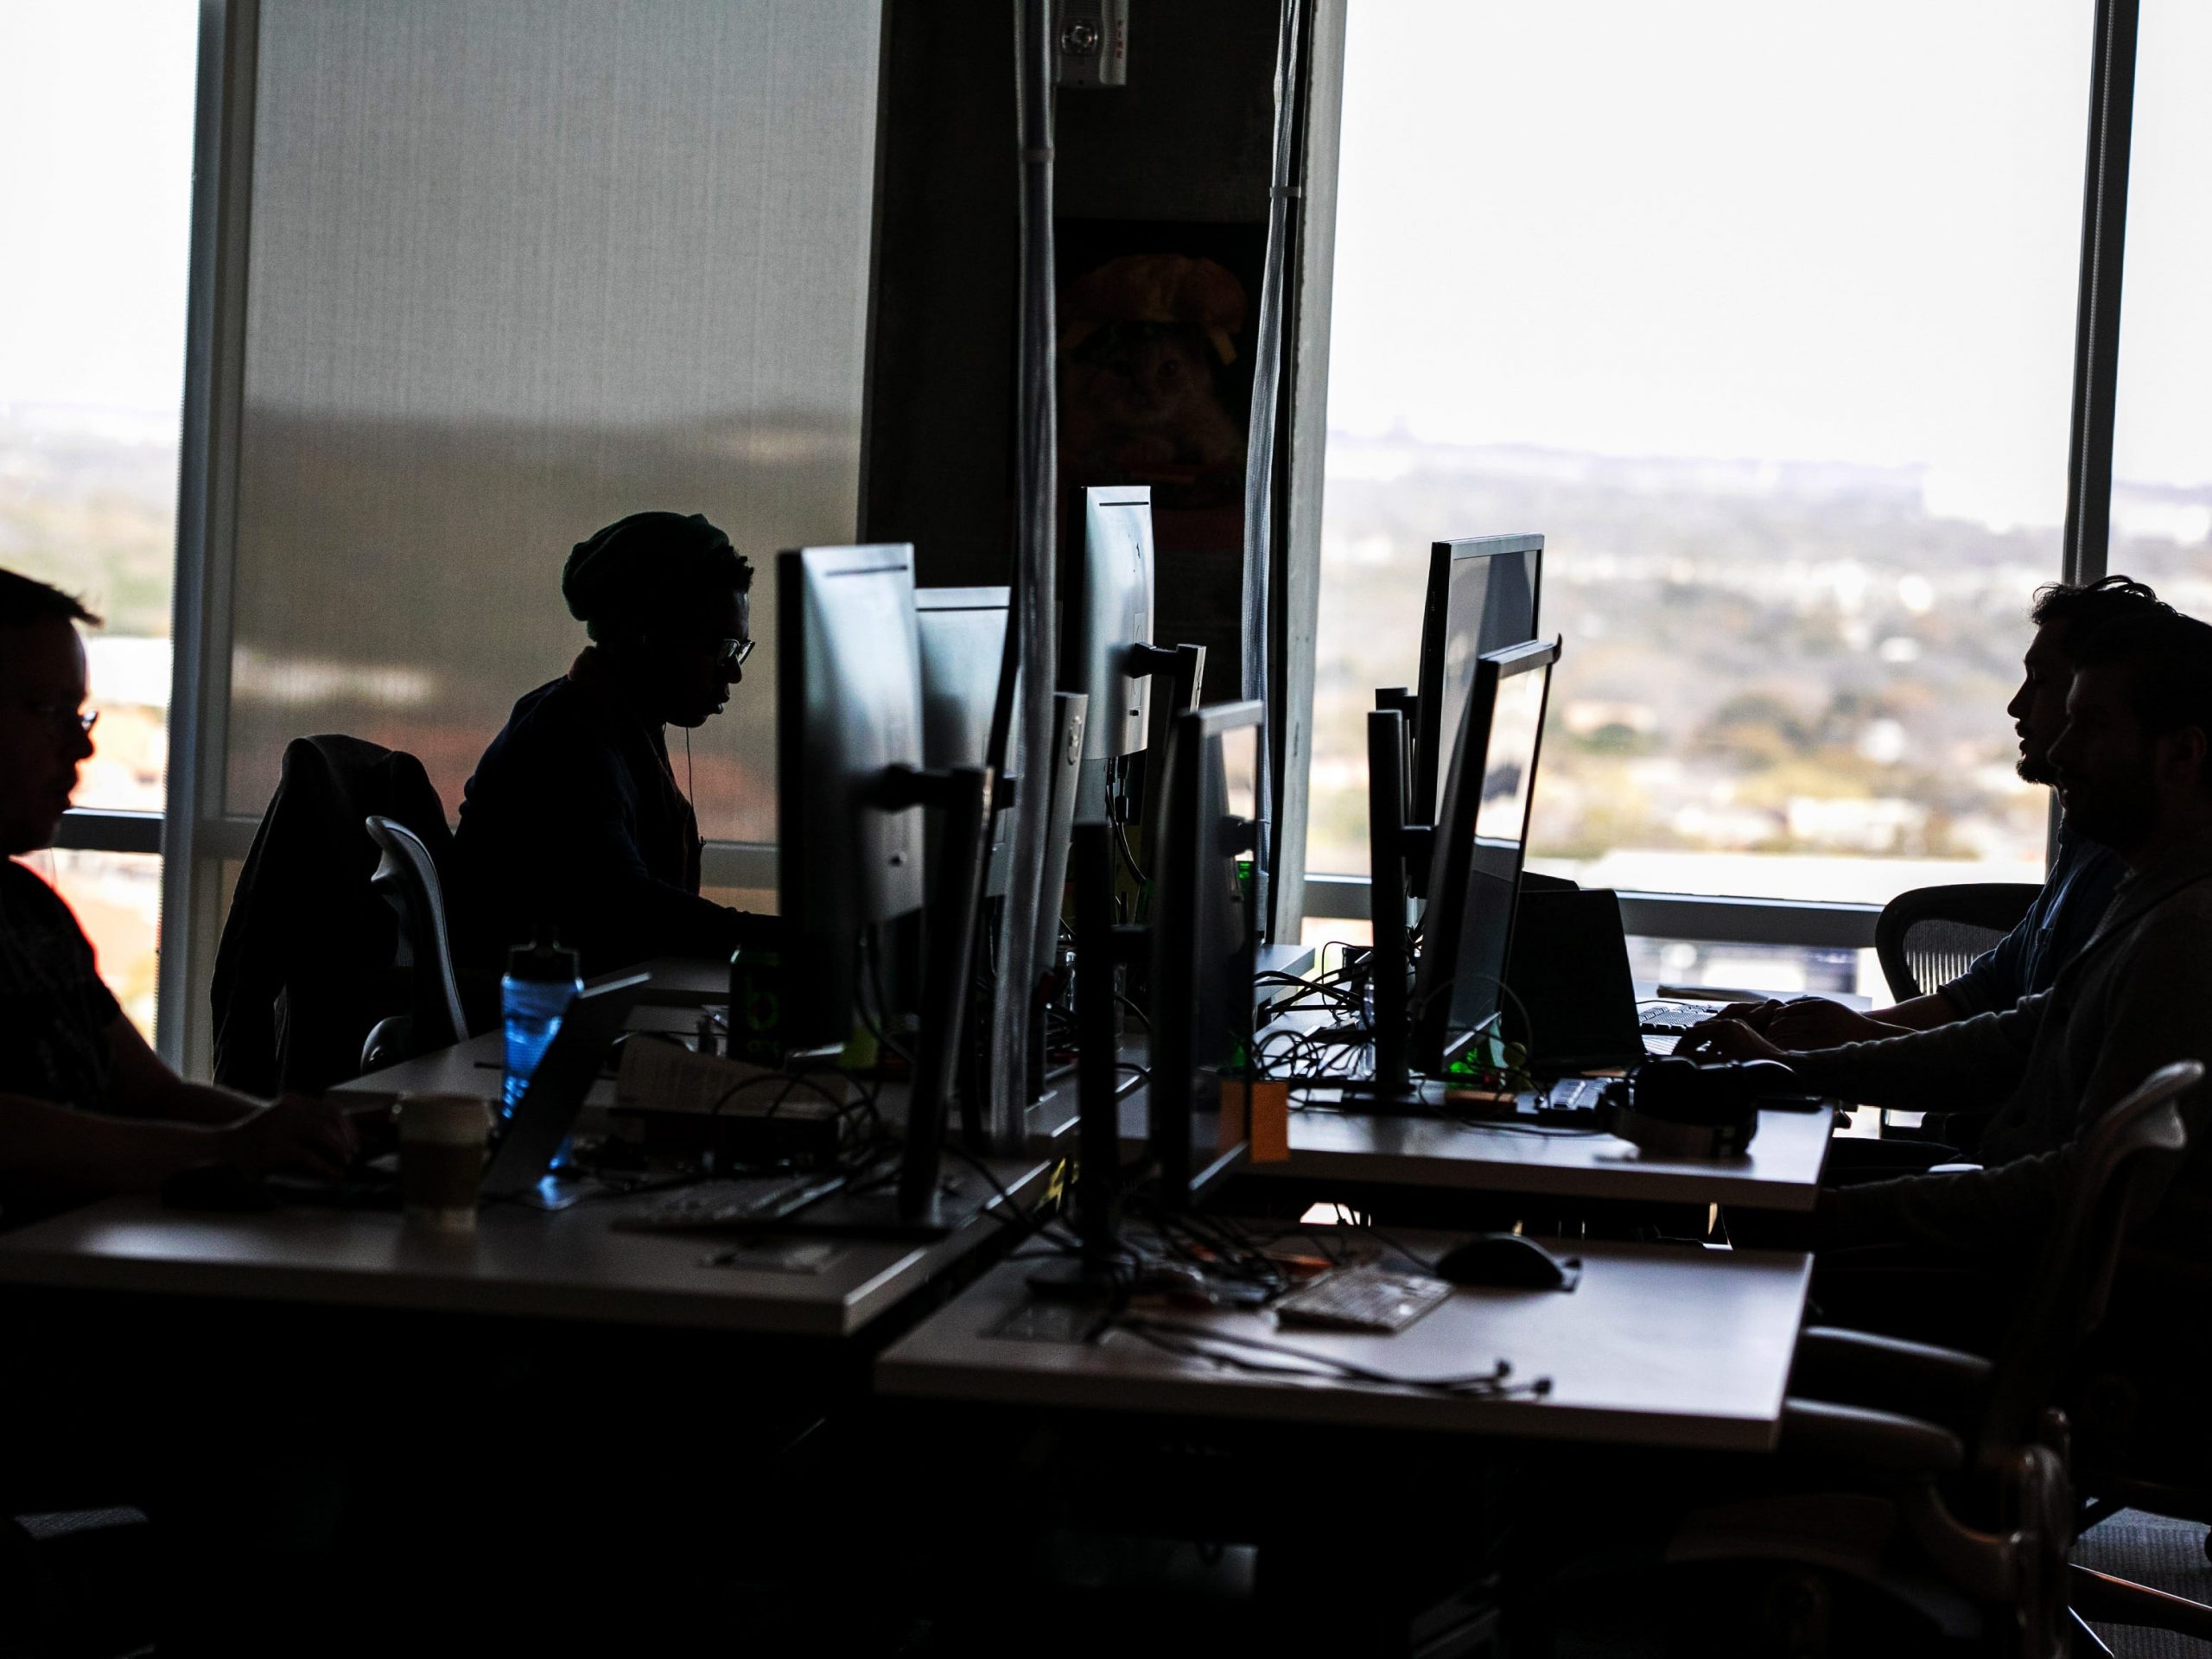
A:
{"x":2133,"y":767}
{"x":574,"y":819}
{"x":87,"y":1108}
{"x":2083,"y":876}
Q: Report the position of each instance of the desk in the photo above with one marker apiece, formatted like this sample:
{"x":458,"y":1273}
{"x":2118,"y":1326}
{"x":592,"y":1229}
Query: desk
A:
{"x":520,"y":1263}
{"x":1660,"y":1345}
{"x":1780,"y":1171}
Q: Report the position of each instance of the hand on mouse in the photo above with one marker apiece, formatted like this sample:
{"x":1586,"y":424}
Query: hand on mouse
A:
{"x":295,"y":1133}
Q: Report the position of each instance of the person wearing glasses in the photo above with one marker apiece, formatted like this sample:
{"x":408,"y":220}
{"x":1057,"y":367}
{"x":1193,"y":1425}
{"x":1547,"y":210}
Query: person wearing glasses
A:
{"x":574,"y":821}
{"x":87,"y":1108}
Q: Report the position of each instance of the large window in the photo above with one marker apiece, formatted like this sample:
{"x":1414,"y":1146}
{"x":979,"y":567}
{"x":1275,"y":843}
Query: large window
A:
{"x":517,"y":272}
{"x":96,"y":112}
{"x":2162,"y":430}
{"x":1764,"y":316}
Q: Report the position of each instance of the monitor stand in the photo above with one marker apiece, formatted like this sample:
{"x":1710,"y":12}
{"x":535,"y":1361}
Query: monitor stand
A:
{"x":909,"y":1196}
{"x":1092,"y":1276}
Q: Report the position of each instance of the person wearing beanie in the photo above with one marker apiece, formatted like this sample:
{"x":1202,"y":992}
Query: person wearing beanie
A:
{"x":574,"y":819}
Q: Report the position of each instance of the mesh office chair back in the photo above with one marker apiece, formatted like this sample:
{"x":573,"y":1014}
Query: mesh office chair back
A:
{"x":1929,"y":936}
{"x":406,"y":878}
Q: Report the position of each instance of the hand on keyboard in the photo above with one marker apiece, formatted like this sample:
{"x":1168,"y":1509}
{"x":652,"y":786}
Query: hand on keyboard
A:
{"x":1726,"y":1040}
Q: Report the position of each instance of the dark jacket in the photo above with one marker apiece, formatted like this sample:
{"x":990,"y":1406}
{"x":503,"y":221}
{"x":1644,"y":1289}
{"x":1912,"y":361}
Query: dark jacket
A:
{"x":306,"y":964}
{"x":2138,"y":996}
{"x":574,"y":820}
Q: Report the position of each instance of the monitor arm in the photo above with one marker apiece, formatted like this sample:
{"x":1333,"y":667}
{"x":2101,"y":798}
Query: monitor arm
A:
{"x":1101,"y":945}
{"x":1390,"y":842}
{"x":964,"y":794}
{"x":1184,"y":665}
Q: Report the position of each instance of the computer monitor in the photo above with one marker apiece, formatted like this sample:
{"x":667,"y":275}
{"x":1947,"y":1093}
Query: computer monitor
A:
{"x":1110,"y":615}
{"x":849,"y":708}
{"x":1482,"y":597}
{"x":961,"y":634}
{"x":1481,"y":833}
{"x":850,"y":795}
{"x":1204,"y":941}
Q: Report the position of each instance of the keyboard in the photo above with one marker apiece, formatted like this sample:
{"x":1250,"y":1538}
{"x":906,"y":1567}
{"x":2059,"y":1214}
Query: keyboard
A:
{"x":1662,"y":1018}
{"x":740,"y":1201}
{"x":1377,"y":1300}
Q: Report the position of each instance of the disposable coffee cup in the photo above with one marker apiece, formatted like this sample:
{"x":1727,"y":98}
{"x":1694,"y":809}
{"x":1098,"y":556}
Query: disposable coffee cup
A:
{"x":441,"y":1141}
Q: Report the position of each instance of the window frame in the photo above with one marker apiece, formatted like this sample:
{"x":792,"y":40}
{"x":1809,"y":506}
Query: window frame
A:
{"x":1714,"y":918}
{"x":195,"y":835}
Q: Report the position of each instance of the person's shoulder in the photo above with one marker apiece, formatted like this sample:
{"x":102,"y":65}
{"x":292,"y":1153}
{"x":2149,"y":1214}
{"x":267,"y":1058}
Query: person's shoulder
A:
{"x":2172,"y":931}
{"x":548,"y":721}
{"x":25,"y":895}
{"x":30,"y":910}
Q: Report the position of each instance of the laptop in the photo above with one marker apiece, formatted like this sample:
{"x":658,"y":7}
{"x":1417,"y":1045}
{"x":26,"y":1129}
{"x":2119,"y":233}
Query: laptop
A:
{"x":524,"y":1153}
{"x":1569,"y":968}
{"x":524,"y":1148}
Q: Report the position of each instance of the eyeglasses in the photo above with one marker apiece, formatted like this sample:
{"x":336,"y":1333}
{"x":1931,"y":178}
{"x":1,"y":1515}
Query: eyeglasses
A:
{"x":63,"y":719}
{"x":730,"y":655}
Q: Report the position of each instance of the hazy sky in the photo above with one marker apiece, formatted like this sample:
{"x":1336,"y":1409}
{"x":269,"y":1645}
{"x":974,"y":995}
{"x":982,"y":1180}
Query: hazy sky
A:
{"x":1717,"y":227}
{"x":96,"y":102}
{"x":1741,"y":228}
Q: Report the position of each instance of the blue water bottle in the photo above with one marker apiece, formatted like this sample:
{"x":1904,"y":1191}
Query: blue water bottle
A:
{"x":542,"y":980}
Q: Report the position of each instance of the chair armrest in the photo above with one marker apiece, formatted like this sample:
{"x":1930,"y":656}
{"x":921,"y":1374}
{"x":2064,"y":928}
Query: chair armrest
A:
{"x":1880,"y":1442}
{"x":1888,"y":1373}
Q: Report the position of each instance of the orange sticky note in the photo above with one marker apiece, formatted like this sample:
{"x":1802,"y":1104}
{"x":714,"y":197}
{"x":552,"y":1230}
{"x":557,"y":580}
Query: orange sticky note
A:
{"x":1259,"y":1113}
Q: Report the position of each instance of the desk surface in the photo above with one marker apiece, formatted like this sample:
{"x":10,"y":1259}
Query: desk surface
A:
{"x":520,"y":1262}
{"x":1781,"y":1170}
{"x":1659,"y":1345}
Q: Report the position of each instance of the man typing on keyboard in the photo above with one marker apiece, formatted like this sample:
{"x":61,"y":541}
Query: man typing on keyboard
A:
{"x":2083,"y":875}
{"x":2133,"y":766}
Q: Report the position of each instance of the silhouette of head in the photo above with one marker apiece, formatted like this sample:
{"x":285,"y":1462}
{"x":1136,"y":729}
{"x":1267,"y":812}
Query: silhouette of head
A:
{"x":2066,"y":617}
{"x":2134,"y":762}
{"x":667,"y":600}
{"x":44,"y":736}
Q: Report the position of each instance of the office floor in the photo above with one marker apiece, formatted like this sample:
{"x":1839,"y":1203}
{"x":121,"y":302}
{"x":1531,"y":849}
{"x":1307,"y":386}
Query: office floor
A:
{"x":2165,"y":1555}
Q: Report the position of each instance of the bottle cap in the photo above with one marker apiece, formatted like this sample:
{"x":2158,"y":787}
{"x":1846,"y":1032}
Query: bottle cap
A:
{"x":544,"y":959}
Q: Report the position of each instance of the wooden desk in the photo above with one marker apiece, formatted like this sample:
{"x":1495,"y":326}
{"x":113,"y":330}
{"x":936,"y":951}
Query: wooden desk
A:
{"x":520,"y":1263}
{"x":1659,"y":1345}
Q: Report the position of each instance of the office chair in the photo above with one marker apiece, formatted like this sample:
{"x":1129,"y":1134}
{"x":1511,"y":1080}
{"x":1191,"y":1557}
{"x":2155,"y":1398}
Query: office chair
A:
{"x":304,"y":967}
{"x":406,"y":878}
{"x":1931,"y":935}
{"x":2139,"y":1440}
{"x":1956,"y":1466}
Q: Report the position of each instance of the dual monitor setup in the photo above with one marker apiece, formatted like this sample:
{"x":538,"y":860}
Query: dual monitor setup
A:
{"x":1452,"y":774}
{"x":894,"y":854}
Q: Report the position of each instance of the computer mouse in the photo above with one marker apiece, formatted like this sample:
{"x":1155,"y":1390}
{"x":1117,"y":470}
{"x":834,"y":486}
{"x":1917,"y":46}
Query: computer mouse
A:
{"x":1502,"y":1261}
{"x":223,"y":1187}
{"x":1768,"y":1076}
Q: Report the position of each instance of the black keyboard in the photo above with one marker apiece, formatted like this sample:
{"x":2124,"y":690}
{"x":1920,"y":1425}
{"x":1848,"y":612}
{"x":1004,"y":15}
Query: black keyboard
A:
{"x":742,"y":1202}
